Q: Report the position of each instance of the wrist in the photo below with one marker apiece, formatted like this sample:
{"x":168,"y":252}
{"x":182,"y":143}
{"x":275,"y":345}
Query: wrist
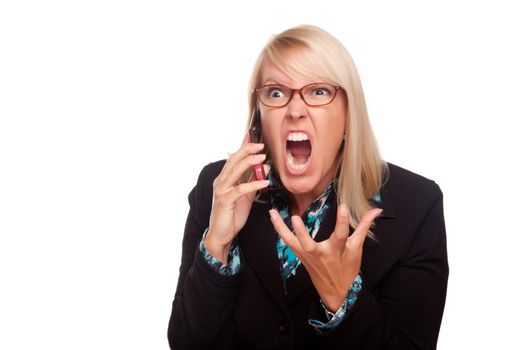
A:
{"x":333,"y":297}
{"x":220,"y":251}
{"x":333,"y":303}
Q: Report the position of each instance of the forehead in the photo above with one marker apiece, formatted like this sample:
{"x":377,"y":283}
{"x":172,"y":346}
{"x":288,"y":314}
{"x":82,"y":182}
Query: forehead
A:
{"x":294,"y":78}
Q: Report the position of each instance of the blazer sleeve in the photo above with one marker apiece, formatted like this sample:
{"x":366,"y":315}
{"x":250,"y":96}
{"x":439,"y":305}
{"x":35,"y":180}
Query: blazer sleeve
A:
{"x":406,"y":312}
{"x":201,"y":316}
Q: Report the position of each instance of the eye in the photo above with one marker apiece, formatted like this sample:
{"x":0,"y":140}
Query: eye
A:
{"x":321,"y":91}
{"x":275,"y":92}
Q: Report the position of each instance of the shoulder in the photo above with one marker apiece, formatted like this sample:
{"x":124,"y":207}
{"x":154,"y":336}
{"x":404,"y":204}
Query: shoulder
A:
{"x":209,"y":172}
{"x":410,"y":193}
{"x":403,"y":179}
{"x":415,"y":221}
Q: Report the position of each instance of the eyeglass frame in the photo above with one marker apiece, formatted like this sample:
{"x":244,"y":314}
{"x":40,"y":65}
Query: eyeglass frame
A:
{"x":293,"y":91}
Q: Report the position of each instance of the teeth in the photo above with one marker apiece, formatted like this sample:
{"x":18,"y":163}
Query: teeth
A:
{"x":297,"y":136}
{"x":291,"y":162}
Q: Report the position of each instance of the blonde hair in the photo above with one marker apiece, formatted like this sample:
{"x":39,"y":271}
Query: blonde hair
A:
{"x":361,"y":170}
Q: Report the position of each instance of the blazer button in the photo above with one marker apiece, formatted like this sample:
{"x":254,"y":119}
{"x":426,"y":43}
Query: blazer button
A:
{"x":284,"y":327}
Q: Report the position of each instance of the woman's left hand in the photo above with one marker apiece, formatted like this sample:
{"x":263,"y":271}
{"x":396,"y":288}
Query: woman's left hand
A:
{"x":332,"y":264}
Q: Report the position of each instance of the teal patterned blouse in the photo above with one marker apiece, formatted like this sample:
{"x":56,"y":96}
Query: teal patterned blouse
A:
{"x":312,"y":219}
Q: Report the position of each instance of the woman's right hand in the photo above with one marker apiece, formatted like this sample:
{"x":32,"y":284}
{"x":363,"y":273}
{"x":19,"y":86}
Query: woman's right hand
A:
{"x":232,"y":202}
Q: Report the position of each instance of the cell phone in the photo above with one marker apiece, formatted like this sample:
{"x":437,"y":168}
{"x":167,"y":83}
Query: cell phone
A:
{"x":258,"y":169}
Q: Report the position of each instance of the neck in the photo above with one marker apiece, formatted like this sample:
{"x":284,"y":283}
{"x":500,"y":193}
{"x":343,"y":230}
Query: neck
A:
{"x":301,"y":202}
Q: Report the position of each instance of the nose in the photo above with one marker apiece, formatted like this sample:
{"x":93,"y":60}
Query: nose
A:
{"x":296,"y":107}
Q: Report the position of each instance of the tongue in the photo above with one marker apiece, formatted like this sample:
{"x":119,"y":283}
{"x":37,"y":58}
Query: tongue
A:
{"x":299,"y":149}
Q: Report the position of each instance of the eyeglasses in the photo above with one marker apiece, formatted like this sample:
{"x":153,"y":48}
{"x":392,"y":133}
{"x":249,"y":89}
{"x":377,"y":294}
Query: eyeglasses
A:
{"x":314,"y":95}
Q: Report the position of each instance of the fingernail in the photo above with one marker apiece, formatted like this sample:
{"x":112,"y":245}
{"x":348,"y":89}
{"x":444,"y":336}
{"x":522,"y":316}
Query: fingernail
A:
{"x":296,"y":221}
{"x":272,"y":213}
{"x":260,"y":145}
{"x":264,"y":183}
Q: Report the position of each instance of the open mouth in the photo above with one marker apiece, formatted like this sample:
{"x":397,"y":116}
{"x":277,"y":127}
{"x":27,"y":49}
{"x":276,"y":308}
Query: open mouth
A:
{"x":298,"y":151}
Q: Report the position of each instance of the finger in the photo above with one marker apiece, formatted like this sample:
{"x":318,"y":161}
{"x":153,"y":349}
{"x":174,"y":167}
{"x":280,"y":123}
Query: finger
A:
{"x":304,"y":238}
{"x":245,"y":165}
{"x":246,"y":150}
{"x":359,"y":235}
{"x":244,"y":189}
{"x":283,"y":231}
{"x":342,"y":224}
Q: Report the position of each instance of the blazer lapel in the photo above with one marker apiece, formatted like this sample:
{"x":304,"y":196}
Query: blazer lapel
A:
{"x":386,"y":205}
{"x":258,"y":243}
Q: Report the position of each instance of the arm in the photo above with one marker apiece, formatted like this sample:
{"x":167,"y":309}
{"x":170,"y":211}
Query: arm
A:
{"x":407,"y":312}
{"x":203,"y":305}
{"x":335,"y":318}
{"x":204,"y":300}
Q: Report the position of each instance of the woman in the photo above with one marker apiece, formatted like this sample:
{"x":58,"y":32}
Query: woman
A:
{"x":336,"y":248}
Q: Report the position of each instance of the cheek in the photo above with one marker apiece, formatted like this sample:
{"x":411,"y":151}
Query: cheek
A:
{"x":331,"y":144}
{"x":332,"y":137}
{"x":270,"y":134}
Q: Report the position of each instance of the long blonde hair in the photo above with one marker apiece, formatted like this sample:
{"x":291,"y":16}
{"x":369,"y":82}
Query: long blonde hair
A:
{"x":362,"y":171}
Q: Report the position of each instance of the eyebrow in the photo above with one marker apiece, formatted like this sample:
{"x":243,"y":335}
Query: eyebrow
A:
{"x":272,"y":82}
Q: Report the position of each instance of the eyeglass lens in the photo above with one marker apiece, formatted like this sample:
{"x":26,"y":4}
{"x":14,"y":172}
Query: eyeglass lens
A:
{"x":313,"y":94}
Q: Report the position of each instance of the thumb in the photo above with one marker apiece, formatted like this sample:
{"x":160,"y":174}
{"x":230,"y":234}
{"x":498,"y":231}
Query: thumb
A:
{"x":359,"y":235}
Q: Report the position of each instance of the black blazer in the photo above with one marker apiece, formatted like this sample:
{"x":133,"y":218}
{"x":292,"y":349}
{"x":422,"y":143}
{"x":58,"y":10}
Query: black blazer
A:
{"x":400,"y":306}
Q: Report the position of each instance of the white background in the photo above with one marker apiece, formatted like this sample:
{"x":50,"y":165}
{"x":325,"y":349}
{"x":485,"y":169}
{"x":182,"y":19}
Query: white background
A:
{"x":109,"y":109}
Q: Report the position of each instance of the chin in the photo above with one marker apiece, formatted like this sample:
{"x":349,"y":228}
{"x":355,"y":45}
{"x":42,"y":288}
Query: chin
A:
{"x":299,"y":184}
